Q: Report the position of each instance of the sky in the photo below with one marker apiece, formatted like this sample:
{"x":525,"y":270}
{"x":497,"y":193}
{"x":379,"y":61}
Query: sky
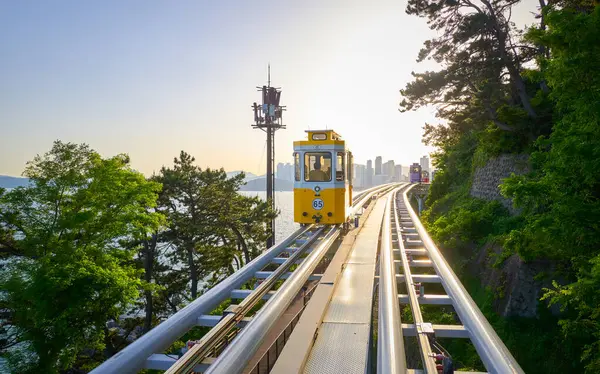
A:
{"x":151,"y":78}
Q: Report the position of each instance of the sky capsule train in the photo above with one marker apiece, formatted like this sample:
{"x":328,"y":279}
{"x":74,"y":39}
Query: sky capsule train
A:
{"x":415,"y":173}
{"x":322,"y":179}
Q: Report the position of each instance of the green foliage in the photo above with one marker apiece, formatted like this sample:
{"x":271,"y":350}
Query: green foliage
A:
{"x":210,"y":226}
{"x":68,"y":275}
{"x":479,"y":84}
{"x":562,"y":196}
{"x":89,"y":236}
{"x":551,"y":111}
{"x":469,"y":220}
{"x":536,"y":343}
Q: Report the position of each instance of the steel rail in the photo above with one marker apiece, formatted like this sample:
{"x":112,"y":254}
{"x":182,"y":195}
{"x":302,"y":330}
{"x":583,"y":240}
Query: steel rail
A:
{"x":422,"y":338}
{"x":390,"y":343}
{"x":237,"y":354}
{"x":133,"y":357}
{"x":368,"y":190}
{"x":199,"y":351}
{"x":492,"y":351}
{"x":358,"y":201}
{"x":366,"y":195}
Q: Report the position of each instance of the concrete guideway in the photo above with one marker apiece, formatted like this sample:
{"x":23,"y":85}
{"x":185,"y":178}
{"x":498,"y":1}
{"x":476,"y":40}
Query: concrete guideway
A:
{"x":340,"y":309}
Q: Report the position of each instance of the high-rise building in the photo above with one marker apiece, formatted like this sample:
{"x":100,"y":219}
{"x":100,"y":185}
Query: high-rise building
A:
{"x":359,"y":176}
{"x":378,"y":165}
{"x":388,"y":169}
{"x":425,"y":163}
{"x":398,"y":173}
{"x":369,"y":174}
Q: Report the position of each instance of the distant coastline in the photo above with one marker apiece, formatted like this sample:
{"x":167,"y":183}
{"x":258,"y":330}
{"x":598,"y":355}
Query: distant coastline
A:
{"x":253,"y":182}
{"x":259,"y":184}
{"x":12,"y":182}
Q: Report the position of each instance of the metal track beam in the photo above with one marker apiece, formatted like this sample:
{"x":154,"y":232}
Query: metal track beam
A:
{"x":133,"y":357}
{"x":390,"y":344}
{"x":237,"y":354}
{"x":492,"y":351}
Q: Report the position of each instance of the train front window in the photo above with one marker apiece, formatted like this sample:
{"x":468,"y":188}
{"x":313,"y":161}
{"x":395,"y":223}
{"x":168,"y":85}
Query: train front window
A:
{"x":339,"y":167}
{"x":297,"y":166}
{"x":317,"y":166}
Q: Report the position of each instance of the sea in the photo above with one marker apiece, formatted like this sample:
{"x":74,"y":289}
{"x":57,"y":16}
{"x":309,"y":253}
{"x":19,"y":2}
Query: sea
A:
{"x":284,"y":202}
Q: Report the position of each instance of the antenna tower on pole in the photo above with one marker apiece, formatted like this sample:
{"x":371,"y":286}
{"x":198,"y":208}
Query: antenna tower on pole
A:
{"x":268,"y":118}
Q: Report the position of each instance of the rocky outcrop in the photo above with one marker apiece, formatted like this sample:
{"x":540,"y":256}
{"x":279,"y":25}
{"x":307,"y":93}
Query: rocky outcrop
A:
{"x":514,"y":283}
{"x":486,"y":179}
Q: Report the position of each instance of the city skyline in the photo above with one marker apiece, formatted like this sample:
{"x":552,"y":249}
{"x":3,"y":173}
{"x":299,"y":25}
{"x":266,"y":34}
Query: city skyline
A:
{"x":288,"y":165}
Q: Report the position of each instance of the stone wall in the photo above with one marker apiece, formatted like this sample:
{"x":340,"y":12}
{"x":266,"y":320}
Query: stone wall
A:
{"x":486,"y":179}
{"x":514,"y":282}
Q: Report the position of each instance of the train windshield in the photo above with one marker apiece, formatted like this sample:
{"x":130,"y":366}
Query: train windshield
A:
{"x":317,"y":166}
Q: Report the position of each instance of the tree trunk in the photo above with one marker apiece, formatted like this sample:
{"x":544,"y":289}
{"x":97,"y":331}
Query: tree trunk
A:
{"x":171,"y":304}
{"x":193,"y":272}
{"x":150,"y":249}
{"x":494,"y":117}
{"x":513,"y":70}
{"x":242,"y":242}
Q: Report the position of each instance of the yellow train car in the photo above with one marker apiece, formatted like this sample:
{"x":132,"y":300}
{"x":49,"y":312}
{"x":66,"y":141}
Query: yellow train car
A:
{"x":323,"y":179}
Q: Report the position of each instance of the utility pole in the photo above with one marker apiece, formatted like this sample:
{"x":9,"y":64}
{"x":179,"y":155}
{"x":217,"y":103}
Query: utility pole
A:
{"x":268,"y":118}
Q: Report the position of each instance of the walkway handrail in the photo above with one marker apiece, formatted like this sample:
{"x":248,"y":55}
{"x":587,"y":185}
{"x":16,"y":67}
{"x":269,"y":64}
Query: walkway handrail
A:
{"x":494,"y":354}
{"x":133,"y":357}
{"x":390,"y":343}
{"x":238,"y":353}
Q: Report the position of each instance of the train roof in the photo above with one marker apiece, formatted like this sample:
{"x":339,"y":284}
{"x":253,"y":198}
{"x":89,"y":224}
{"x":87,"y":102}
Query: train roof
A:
{"x":317,"y":137}
{"x":332,"y":135}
